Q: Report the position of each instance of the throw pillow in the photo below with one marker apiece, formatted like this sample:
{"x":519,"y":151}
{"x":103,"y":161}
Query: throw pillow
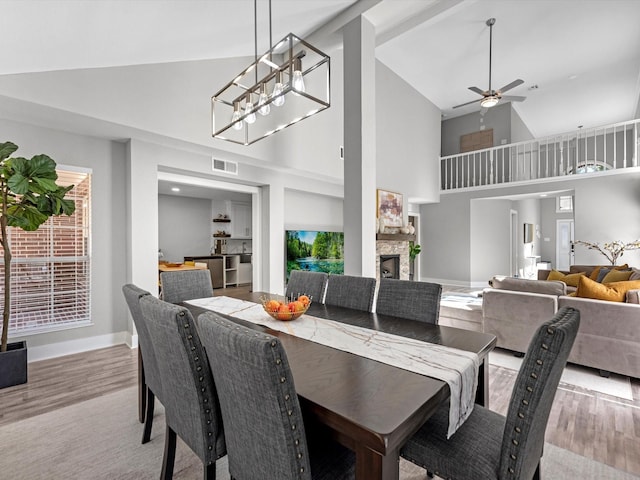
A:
{"x":596,"y":271}
{"x":635,"y":274}
{"x":570,"y":279}
{"x":617,"y":276}
{"x":613,"y":292}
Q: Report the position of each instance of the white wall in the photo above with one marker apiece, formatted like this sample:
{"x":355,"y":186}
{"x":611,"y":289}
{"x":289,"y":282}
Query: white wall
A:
{"x":489,"y":240}
{"x":108,"y":266}
{"x":312,"y":212}
{"x":184,"y":226}
{"x":408,"y":146}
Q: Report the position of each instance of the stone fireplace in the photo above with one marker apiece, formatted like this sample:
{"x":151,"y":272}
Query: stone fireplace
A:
{"x":395,"y":246}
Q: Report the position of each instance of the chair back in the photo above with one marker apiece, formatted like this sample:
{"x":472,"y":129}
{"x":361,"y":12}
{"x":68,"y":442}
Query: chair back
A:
{"x":411,"y":300}
{"x":190,"y":399}
{"x":263,"y":422}
{"x":132,"y":295}
{"x":533,"y":394}
{"x":183,"y":285}
{"x":312,"y":284}
{"x":350,"y":292}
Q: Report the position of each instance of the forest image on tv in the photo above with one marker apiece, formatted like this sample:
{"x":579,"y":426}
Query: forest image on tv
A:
{"x":315,"y":251}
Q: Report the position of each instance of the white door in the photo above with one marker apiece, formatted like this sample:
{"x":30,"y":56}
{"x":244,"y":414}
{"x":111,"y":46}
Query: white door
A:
{"x":564,"y":237}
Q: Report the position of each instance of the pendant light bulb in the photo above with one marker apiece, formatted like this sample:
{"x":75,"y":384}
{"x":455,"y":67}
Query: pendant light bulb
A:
{"x":235,"y":118}
{"x":250,"y":117}
{"x":297,"y":82}
{"x":265,"y":108}
{"x":278,"y":91}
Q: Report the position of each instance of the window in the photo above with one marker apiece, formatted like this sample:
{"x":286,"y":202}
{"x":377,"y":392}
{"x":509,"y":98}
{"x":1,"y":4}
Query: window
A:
{"x":564,"y":203}
{"x":51,"y":281}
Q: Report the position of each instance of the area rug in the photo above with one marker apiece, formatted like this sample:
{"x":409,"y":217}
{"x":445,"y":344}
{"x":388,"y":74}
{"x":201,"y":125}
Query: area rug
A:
{"x":99,"y":439}
{"x":587,"y":378}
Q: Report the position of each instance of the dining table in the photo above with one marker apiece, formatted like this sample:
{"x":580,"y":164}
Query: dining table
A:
{"x":366,"y":405}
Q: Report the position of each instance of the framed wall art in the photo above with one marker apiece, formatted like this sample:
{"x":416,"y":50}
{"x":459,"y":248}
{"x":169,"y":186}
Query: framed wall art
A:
{"x":389,"y":206}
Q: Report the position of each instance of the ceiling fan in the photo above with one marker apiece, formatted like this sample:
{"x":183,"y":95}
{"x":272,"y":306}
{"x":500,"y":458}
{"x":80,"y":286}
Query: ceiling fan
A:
{"x":491,"y":97}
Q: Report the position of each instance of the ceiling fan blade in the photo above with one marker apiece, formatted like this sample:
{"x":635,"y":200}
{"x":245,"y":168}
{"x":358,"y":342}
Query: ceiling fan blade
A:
{"x":511,"y":85}
{"x":469,"y":103}
{"x":477,"y":90}
{"x":513,"y":98}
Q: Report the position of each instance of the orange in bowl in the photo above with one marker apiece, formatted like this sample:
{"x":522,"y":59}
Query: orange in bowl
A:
{"x":286,"y":310}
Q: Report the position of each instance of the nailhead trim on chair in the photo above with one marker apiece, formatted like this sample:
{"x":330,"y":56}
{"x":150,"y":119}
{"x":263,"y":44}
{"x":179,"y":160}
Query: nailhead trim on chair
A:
{"x":525,"y":401}
{"x":204,"y":395}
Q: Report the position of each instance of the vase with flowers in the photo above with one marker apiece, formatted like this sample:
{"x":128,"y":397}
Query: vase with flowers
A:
{"x":611,"y":250}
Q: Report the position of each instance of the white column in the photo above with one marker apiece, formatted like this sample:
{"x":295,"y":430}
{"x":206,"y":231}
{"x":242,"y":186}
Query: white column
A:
{"x":359,"y":148}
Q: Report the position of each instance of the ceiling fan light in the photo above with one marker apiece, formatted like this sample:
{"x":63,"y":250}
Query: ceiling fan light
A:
{"x":490,"y":101}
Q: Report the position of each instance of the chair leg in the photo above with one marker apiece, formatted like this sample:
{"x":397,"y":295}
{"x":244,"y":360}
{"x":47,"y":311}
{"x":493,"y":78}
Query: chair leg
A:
{"x":148,"y":416}
{"x":169,"y":454}
{"x":536,"y":476}
{"x":429,"y":474}
{"x":210,"y":472}
{"x":142,"y":389}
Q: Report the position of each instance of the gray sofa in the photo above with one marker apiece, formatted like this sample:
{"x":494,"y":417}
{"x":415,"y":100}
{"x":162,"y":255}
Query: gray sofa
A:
{"x":609,"y":335}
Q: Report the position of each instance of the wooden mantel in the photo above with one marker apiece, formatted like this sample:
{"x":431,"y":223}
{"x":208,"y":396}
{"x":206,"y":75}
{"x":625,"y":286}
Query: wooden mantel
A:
{"x":396,"y":237}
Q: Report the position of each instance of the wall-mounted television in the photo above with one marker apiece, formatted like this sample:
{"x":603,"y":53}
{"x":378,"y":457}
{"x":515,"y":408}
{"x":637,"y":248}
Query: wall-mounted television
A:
{"x":315,"y":251}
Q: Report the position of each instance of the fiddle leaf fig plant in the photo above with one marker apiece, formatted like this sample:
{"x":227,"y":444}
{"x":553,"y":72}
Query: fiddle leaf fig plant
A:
{"x":29,"y":195}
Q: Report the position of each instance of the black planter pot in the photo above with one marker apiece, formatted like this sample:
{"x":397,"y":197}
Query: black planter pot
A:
{"x":13,"y":365}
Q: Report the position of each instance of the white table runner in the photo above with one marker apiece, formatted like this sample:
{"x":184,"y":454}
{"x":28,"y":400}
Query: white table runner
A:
{"x":456,"y":367}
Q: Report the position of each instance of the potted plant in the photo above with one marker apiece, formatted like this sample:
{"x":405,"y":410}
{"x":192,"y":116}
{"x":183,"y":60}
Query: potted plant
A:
{"x":414,"y":250}
{"x":29,"y":195}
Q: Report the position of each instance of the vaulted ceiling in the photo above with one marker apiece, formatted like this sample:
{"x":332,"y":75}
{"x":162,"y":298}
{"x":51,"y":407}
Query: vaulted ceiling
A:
{"x":579,"y":59}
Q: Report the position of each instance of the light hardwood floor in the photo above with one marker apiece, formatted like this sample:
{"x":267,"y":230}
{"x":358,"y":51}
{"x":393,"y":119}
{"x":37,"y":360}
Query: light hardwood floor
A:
{"x":595,"y":425}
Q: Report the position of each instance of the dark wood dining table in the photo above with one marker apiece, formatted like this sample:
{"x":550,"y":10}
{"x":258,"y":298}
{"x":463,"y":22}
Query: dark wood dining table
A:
{"x":369,"y":406}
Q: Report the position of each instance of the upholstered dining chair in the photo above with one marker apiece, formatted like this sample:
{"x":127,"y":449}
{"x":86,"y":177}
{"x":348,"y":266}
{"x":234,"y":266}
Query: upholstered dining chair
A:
{"x":312,"y":284}
{"x":488,"y":445}
{"x":189,"y":394}
{"x":411,"y":300}
{"x":350,"y":292}
{"x":152,"y":386}
{"x":183,"y":285}
{"x":264,"y":427}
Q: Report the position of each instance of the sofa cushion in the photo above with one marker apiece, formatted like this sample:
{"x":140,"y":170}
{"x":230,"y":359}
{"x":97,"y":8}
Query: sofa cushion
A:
{"x":594,"y":270}
{"x":613,"y":292}
{"x":617,"y":276}
{"x":635,"y":274}
{"x":570,"y":279}
{"x":549,"y":287}
{"x":633,"y":296}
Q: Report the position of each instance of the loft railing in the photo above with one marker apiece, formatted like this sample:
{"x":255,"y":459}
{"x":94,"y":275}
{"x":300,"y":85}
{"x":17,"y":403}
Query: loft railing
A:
{"x":591,"y":150}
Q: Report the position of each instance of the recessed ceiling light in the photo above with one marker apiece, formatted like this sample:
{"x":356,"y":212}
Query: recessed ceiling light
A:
{"x":543,"y":194}
{"x":573,"y":77}
{"x":175,"y":189}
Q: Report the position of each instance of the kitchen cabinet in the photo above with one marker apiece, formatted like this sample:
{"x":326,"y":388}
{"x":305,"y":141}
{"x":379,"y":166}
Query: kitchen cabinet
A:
{"x":223,"y":268}
{"x":245,"y":273}
{"x":240,"y":220}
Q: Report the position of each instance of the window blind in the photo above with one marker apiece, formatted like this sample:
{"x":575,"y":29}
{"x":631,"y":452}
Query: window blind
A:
{"x":51,"y":267}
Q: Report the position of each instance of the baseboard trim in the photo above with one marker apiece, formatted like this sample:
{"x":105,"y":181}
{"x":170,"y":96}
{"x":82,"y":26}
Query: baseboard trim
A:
{"x":53,"y":350}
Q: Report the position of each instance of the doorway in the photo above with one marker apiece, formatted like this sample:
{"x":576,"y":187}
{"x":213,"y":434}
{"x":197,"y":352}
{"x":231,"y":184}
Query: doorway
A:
{"x":564,"y":244}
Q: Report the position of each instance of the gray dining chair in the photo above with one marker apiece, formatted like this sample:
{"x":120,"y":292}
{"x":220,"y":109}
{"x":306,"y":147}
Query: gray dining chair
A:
{"x":350,"y":292}
{"x":411,"y":300}
{"x":183,"y":285}
{"x":190,"y":400}
{"x":488,"y":445}
{"x":264,"y":427}
{"x":312,"y":284}
{"x":150,"y":376}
